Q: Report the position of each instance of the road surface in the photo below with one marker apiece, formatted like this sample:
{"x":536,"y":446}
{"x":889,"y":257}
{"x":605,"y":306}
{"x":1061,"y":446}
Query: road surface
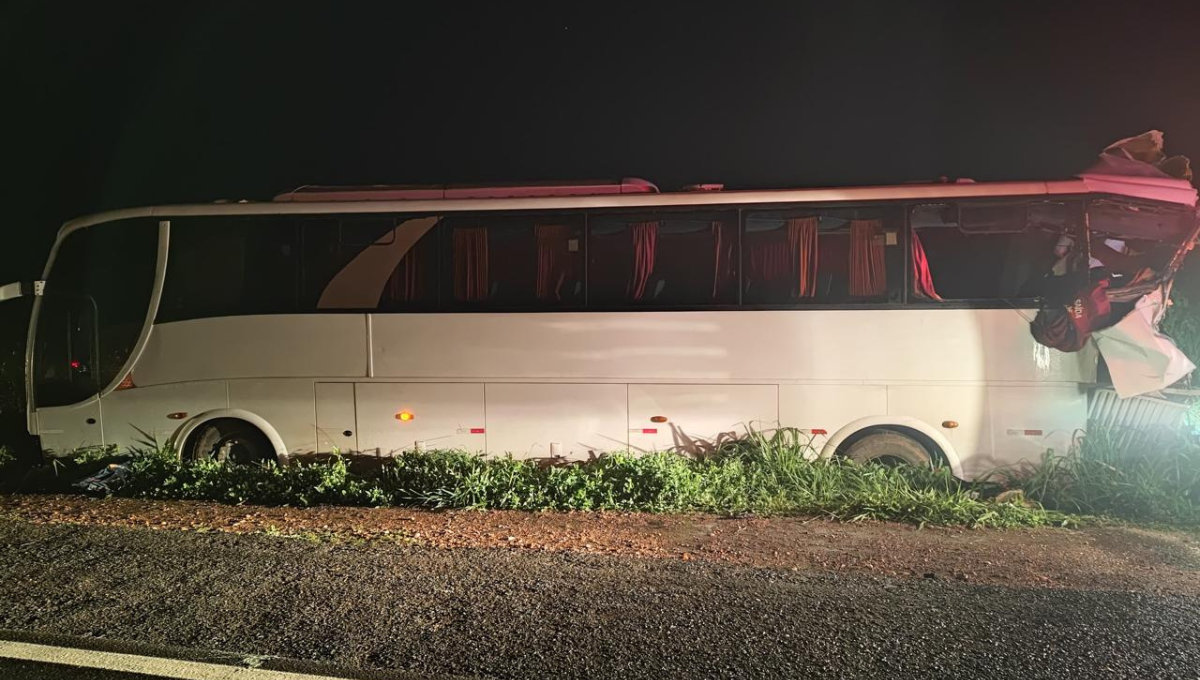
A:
{"x":499,"y":613}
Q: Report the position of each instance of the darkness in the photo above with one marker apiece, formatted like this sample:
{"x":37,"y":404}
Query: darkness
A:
{"x":161,"y":102}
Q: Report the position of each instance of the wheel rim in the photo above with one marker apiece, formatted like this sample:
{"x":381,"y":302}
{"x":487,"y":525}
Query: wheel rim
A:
{"x":232,"y":448}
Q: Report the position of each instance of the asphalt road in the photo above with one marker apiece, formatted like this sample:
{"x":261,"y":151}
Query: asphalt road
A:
{"x":514,"y":614}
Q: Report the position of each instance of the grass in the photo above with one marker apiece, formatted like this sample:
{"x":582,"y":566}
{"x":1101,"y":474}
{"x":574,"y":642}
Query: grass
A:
{"x":773,"y":474}
{"x":763,"y":474}
{"x":1159,"y":483}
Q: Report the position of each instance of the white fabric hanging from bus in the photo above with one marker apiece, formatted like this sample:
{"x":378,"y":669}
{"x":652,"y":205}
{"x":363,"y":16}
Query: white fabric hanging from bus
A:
{"x":1140,"y":359}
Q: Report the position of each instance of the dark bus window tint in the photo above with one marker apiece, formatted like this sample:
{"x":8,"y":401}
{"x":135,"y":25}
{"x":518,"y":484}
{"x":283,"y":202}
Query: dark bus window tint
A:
{"x":663,"y":260}
{"x":986,"y":252}
{"x":347,"y":259}
{"x":413,"y":281}
{"x":513,"y":262}
{"x":842,"y":255}
{"x":229,"y":266}
{"x":93,"y":310}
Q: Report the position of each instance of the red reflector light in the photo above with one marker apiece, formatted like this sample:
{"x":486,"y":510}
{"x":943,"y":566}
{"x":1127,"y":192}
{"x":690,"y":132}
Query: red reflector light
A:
{"x":477,"y":430}
{"x":817,"y":430}
{"x":1034,"y":433}
{"x":649,"y":430}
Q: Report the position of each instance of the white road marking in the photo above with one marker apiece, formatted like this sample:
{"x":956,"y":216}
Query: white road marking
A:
{"x":146,"y":665}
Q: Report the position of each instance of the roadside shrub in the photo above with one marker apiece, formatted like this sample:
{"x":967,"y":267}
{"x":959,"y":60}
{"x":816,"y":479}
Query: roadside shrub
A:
{"x":762,"y":474}
{"x":1098,"y":476}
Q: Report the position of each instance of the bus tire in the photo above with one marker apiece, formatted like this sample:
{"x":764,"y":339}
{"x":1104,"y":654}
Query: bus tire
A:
{"x":228,"y":440}
{"x":889,"y":448}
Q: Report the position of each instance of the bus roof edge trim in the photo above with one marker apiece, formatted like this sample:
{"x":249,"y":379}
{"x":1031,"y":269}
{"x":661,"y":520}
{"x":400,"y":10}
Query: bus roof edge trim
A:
{"x":1179,"y":193}
{"x":381,"y":192}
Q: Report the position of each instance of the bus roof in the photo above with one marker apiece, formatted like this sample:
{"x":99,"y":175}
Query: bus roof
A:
{"x":638,"y":194}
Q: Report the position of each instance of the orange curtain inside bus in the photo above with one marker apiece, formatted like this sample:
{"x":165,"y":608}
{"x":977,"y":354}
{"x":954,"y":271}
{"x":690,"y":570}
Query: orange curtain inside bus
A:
{"x":868,"y":273}
{"x":470,"y":264}
{"x":553,"y":261}
{"x":922,"y":278}
{"x":645,"y":243}
{"x":802,"y":238}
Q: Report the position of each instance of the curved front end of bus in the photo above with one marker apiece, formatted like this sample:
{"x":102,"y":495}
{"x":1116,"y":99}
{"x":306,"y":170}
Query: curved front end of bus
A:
{"x":91,"y":317}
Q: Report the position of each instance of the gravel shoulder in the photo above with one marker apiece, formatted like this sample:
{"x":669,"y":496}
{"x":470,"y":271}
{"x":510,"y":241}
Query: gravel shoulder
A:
{"x":1097,"y":558}
{"x":519,"y":613}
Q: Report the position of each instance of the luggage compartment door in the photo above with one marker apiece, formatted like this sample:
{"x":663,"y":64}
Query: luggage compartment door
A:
{"x":397,"y":417}
{"x":335,"y":418}
{"x":544,"y":420}
{"x":694,"y":418}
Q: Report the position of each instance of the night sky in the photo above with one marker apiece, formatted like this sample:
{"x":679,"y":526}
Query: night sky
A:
{"x":118,"y":104}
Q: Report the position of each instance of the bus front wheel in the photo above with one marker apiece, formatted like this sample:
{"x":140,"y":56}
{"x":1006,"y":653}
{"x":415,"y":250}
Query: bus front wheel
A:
{"x":889,"y":448}
{"x":229,"y":440}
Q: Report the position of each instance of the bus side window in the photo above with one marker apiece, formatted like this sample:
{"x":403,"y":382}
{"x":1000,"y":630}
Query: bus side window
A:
{"x":822,"y":255}
{"x":985,"y":251}
{"x":512,"y":262}
{"x":230,"y":266}
{"x":663,"y":259}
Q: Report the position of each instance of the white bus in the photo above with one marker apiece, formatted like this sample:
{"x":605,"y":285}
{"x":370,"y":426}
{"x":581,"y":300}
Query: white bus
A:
{"x":568,"y":320}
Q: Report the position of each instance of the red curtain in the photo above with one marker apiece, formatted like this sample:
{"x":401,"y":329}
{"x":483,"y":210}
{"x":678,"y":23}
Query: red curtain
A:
{"x":868,"y":273}
{"x":802,"y":237}
{"x":470,"y":264}
{"x":645,"y":244}
{"x":405,"y":282}
{"x":922,"y":278}
{"x":770,"y":258}
{"x":553,"y":260}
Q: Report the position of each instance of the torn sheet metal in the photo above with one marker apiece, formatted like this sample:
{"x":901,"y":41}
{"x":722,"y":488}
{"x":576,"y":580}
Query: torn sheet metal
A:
{"x":1140,"y":359}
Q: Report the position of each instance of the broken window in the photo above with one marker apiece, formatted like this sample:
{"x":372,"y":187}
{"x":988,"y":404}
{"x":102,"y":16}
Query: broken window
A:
{"x":987,"y":251}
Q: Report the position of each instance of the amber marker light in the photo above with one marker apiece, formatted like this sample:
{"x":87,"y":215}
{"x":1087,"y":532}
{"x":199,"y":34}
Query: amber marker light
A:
{"x":404,"y":416}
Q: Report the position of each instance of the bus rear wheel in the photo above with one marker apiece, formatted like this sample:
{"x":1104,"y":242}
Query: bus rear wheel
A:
{"x":229,"y":440}
{"x":891,"y":449}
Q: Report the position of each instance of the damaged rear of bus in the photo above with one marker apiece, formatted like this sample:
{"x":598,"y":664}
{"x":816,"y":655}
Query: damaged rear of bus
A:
{"x":1111,"y":286}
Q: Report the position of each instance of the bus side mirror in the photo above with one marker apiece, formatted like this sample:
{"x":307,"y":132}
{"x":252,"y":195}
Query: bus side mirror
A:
{"x":17,"y":289}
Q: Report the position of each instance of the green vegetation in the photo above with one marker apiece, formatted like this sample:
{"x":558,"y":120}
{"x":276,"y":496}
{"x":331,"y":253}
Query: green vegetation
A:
{"x":763,"y":475}
{"x":1182,"y":324}
{"x":1157,"y":482}
{"x":776,"y":474}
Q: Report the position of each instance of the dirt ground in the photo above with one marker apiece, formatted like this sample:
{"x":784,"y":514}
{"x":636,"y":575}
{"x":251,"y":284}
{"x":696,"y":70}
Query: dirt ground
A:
{"x":1100,"y":558}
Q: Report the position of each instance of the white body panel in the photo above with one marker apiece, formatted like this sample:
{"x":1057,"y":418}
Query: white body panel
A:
{"x":444,"y":416}
{"x":525,"y":419}
{"x":65,"y":428}
{"x":582,"y":383}
{"x":288,"y":404}
{"x":866,"y":346}
{"x":271,"y":346}
{"x":698,"y":416}
{"x":335,"y":417}
{"x":131,"y":415}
